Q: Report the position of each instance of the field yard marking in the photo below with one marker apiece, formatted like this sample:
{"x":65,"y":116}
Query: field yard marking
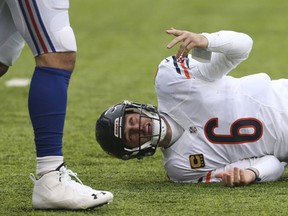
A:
{"x":17,"y":82}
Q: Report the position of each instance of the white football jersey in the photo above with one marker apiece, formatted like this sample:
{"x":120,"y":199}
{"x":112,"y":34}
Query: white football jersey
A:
{"x":227,"y":121}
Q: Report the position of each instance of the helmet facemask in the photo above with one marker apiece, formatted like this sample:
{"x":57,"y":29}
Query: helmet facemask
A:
{"x":149,"y":147}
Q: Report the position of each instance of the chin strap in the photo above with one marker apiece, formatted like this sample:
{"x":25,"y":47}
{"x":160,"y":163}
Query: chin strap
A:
{"x":160,"y":129}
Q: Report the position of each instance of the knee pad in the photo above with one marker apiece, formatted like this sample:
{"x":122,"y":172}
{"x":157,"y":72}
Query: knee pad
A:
{"x":11,"y":42}
{"x":60,"y":25}
{"x":66,"y":39}
{"x":11,"y":49}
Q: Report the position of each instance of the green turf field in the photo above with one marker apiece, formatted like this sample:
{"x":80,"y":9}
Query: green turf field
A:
{"x":120,"y":43}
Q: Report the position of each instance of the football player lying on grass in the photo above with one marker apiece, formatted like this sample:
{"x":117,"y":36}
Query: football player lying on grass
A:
{"x":211,"y":127}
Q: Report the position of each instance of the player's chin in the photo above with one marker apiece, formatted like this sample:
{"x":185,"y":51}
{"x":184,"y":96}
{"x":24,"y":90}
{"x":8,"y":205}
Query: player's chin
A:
{"x":145,"y":139}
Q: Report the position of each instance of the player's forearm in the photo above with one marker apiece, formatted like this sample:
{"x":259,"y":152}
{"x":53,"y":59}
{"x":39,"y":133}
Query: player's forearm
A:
{"x":269,"y":168}
{"x":229,"y":49}
{"x":234,"y":45}
{"x":250,"y":170}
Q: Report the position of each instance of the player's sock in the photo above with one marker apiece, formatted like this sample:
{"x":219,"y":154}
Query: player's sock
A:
{"x":47,"y":164}
{"x":47,"y":108}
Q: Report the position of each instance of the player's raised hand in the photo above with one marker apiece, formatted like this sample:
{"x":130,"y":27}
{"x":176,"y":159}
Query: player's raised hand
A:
{"x":188,"y":40}
{"x":236,"y":177}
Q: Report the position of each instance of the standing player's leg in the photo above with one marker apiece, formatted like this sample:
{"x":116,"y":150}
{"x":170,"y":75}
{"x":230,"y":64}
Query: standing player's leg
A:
{"x":3,"y":69}
{"x":11,"y":42}
{"x":47,"y":31}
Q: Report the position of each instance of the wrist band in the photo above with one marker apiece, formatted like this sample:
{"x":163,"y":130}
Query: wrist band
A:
{"x":256,"y":175}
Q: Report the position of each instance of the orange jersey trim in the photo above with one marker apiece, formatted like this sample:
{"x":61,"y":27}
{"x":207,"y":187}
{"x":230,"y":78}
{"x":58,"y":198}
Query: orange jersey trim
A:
{"x":185,"y":70}
{"x":208,"y":177}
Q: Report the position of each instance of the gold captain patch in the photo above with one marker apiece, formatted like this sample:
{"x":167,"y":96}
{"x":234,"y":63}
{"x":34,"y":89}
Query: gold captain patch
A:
{"x":197,"y":161}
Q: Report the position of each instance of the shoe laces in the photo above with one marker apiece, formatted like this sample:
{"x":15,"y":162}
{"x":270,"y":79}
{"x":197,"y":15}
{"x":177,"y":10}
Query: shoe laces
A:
{"x":65,"y":177}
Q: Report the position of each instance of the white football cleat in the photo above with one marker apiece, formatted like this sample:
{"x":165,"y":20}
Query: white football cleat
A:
{"x":56,"y":190}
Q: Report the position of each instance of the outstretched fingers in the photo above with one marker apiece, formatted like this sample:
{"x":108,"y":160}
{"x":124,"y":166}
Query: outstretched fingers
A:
{"x":188,"y":40}
{"x":178,"y":37}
